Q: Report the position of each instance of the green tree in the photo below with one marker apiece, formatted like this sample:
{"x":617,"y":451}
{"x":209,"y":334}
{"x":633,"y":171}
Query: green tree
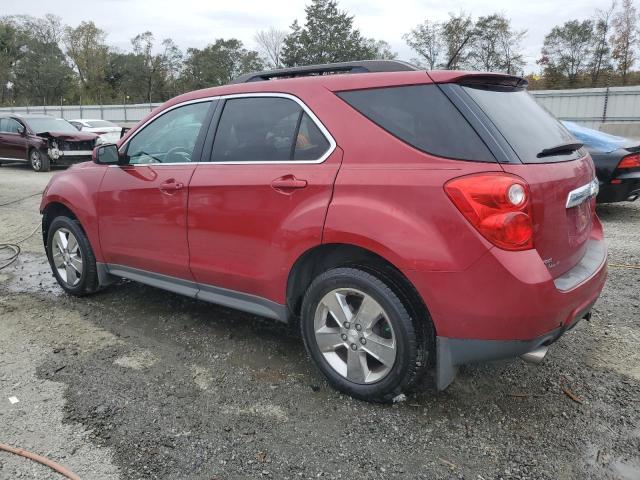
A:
{"x":625,"y":38}
{"x":566,"y":51}
{"x":328,"y":36}
{"x":88,"y":51}
{"x":458,"y":33}
{"x":218,"y":63}
{"x":41,"y":74}
{"x":496,"y":46}
{"x":426,"y":40}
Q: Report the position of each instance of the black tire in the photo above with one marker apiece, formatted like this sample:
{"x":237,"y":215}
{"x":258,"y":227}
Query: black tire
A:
{"x":39,"y":161}
{"x":88,"y":282}
{"x":409,"y":360}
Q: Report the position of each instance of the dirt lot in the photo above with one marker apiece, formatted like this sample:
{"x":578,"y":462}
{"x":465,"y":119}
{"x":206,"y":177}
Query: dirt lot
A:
{"x":137,"y":383}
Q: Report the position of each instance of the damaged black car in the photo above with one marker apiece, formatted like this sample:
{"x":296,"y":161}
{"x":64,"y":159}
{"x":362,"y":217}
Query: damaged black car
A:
{"x":43,"y":141}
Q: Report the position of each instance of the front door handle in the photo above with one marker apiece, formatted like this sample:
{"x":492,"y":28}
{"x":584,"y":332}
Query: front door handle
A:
{"x":288,"y":182}
{"x":171,"y":186}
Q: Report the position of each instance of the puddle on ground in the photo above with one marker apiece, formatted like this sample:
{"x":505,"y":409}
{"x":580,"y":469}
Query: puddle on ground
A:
{"x":30,"y":274}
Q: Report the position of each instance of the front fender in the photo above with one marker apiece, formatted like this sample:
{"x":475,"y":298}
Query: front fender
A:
{"x":77,"y":190}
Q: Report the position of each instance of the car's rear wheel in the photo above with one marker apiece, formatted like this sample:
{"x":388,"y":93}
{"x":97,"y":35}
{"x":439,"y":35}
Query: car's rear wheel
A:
{"x":360,"y":335}
{"x":39,"y":161}
{"x":71,"y":257}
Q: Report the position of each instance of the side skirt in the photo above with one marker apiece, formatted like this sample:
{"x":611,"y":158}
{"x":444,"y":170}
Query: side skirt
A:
{"x":208,"y":293}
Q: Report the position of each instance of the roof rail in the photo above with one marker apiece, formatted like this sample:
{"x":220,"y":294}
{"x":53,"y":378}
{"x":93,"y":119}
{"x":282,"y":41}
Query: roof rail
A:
{"x":361,"y":66}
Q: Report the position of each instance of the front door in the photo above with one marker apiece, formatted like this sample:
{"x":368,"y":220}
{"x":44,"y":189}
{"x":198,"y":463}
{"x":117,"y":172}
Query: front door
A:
{"x":143,"y":203}
{"x":262,"y":199}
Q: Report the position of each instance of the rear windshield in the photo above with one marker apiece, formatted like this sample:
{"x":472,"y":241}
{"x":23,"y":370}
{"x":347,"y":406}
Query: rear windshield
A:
{"x":527,"y":126}
{"x":423,"y":117}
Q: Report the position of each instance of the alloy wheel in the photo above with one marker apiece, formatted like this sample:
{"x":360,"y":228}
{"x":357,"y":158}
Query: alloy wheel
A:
{"x":67,"y":257}
{"x":36,"y":160}
{"x":355,"y":336}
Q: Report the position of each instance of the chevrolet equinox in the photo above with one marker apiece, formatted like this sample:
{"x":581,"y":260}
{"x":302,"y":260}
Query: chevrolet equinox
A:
{"x":408,"y":221}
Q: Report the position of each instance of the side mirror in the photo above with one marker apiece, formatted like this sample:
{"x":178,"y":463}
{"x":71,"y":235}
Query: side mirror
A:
{"x":106,"y":154}
{"x":21,"y":129}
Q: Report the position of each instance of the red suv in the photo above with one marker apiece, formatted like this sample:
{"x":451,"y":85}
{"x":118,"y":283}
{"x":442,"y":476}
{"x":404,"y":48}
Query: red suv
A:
{"x":406,"y":219}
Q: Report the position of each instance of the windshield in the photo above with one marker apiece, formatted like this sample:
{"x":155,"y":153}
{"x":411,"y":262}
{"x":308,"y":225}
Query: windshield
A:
{"x":527,"y":126}
{"x":44,"y":124}
{"x":100,"y":123}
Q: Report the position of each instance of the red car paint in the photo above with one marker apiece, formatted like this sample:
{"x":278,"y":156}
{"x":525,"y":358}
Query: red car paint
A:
{"x":229,"y":226}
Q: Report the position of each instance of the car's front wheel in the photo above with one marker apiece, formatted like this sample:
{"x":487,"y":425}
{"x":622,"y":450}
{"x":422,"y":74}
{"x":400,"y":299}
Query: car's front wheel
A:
{"x":71,"y":257}
{"x":39,"y":161}
{"x":360,"y":335}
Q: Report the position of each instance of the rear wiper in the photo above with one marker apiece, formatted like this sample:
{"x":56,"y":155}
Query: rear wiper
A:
{"x":562,"y":148}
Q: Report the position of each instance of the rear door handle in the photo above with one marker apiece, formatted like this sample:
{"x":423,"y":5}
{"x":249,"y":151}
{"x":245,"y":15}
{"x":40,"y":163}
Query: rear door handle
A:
{"x":288,"y":182}
{"x":171,"y":186}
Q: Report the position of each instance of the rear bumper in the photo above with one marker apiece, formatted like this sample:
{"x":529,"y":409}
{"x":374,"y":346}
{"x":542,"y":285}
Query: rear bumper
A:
{"x":452,"y":352}
{"x":507,"y":304}
{"x":627,"y":190}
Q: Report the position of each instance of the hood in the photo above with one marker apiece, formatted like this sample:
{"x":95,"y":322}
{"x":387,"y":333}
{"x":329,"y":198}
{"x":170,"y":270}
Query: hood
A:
{"x":69,"y":137}
{"x":597,"y":140}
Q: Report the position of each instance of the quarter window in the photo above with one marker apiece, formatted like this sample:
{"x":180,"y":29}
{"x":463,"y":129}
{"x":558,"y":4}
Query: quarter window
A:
{"x":266,"y":129}
{"x":170,"y":138}
{"x":423,"y":117}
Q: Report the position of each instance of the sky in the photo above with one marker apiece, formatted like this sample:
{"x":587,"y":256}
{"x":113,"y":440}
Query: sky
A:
{"x":193,"y":23}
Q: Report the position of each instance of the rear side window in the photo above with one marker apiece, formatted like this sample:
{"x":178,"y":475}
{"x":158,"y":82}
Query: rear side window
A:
{"x":524,"y":124}
{"x":423,"y":117}
{"x":266,"y":129}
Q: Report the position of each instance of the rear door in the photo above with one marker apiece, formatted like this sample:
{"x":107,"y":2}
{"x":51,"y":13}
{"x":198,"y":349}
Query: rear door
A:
{"x":12,"y":143}
{"x":143,"y":204}
{"x":262,"y":199}
{"x":552,"y":164}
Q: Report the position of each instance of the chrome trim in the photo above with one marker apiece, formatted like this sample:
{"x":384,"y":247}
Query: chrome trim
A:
{"x":75,"y":153}
{"x":245,"y":302}
{"x":580,"y":194}
{"x":307,"y":110}
{"x":14,"y":159}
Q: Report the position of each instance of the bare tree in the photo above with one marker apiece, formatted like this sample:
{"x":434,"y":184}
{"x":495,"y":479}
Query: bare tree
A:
{"x":458,"y":33}
{"x":270,"y":44}
{"x":601,"y":55}
{"x":625,"y":38}
{"x":426,"y":40}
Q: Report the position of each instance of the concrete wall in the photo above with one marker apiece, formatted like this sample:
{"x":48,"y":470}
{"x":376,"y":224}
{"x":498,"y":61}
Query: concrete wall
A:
{"x":125,"y":115}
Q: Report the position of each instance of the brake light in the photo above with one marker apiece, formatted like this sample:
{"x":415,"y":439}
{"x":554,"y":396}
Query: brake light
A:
{"x":498,"y":205}
{"x":630,"y":161}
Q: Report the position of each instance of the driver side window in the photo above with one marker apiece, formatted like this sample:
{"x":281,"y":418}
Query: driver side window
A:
{"x":170,"y":138}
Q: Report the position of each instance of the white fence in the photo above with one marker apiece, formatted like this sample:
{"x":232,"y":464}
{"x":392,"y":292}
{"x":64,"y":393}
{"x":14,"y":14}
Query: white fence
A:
{"x":123,"y":114}
{"x":591,"y":107}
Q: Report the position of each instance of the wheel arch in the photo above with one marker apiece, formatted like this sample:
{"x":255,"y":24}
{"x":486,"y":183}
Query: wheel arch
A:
{"x":50,"y":212}
{"x":324,"y":257}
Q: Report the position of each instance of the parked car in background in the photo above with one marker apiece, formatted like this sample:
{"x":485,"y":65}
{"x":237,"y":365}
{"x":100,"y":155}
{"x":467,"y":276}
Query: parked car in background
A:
{"x":404,"y":219}
{"x":108,"y":132}
{"x":43,"y":141}
{"x":617,"y":162}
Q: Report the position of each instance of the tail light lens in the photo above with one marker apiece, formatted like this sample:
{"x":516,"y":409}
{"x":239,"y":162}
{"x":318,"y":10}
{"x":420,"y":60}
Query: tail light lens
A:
{"x":498,"y":205}
{"x":630,"y":161}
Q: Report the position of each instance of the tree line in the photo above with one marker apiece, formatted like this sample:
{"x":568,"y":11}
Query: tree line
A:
{"x":43,"y":61}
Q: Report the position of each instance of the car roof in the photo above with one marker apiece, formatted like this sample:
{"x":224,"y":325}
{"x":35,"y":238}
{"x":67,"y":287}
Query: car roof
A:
{"x":25,"y":116}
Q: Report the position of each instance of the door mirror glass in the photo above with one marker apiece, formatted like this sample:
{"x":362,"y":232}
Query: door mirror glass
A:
{"x":106,"y":154}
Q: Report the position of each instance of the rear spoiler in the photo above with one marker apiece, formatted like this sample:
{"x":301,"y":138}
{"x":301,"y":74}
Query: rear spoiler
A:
{"x":509,"y":81}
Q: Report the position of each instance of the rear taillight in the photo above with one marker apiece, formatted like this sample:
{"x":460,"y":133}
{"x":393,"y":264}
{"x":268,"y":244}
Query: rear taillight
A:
{"x":498,"y":205}
{"x":630,"y":161}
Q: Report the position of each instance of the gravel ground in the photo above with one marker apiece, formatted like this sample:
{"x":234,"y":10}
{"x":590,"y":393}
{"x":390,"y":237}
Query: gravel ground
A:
{"x":136,"y":383}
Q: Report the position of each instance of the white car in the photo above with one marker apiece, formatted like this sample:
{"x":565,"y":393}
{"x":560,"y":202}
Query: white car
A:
{"x":107,"y":131}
